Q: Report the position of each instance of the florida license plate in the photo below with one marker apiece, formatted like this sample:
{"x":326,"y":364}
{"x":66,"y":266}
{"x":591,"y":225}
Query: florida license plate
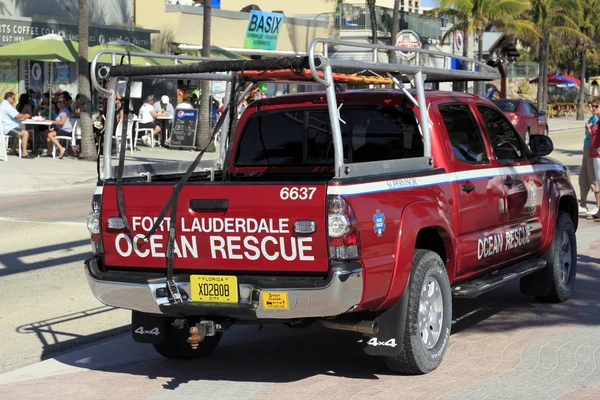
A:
{"x":214,"y":288}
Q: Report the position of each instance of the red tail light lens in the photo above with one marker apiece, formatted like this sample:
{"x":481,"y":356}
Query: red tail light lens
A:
{"x":94,"y":224}
{"x":342,"y":230}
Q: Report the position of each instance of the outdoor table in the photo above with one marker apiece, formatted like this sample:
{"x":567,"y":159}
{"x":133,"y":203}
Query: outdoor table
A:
{"x":164,"y":120}
{"x":37,"y":124}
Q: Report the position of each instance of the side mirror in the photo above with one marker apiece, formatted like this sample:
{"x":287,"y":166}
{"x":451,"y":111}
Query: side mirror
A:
{"x":540,"y":145}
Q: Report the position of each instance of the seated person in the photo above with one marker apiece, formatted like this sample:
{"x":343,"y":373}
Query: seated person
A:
{"x":62,"y":127}
{"x":11,"y":125}
{"x":147,"y":116}
{"x":186,"y":104}
{"x":165,"y":106}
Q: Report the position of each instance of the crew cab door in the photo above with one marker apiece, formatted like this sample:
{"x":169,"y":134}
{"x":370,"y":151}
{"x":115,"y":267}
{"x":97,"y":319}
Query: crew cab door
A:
{"x":477,"y":187}
{"x":523,"y":186}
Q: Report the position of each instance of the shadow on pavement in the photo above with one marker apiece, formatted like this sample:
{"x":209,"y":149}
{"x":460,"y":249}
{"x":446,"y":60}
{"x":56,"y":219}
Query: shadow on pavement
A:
{"x":279,"y":354}
{"x":55,"y":334}
{"x":13,"y":261}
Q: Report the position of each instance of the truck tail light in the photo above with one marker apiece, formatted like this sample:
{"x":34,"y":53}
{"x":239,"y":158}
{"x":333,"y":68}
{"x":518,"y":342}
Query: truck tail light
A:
{"x":94,"y":225}
{"x":342,"y":229}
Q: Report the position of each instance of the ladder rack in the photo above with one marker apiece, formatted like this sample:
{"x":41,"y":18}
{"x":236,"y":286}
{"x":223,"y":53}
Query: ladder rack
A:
{"x":318,"y":68}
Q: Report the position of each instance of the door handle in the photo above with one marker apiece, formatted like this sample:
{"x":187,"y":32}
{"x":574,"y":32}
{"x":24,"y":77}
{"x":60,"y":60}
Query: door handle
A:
{"x":508,"y":181}
{"x":468,"y":188}
{"x":209,"y":205}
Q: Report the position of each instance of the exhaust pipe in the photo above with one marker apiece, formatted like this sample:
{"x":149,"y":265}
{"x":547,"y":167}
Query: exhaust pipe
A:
{"x":366,"y":327}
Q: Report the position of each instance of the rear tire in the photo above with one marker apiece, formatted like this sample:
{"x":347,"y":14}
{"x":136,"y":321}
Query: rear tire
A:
{"x":562,"y":261}
{"x":175,"y":345}
{"x":428,"y":317}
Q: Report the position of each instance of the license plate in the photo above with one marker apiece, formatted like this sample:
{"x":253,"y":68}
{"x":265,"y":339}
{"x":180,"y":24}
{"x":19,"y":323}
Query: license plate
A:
{"x":214,"y":288}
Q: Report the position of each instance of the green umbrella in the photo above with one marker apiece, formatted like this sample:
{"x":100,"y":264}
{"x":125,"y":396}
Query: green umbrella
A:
{"x":126,"y":46}
{"x":50,"y":48}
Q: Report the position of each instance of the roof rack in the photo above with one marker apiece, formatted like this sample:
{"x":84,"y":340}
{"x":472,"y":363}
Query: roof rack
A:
{"x":322,"y":70}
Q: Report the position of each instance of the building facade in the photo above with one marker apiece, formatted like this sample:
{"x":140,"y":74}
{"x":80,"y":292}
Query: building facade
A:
{"x":110,"y":20}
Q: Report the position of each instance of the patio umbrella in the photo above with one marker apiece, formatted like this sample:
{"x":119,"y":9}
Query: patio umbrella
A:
{"x":121,"y":45}
{"x":552,"y":80}
{"x":50,"y":48}
{"x":569,"y":80}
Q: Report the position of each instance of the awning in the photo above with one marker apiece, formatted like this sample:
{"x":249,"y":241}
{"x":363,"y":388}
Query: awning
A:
{"x":570,"y":81}
{"x":557,"y":79}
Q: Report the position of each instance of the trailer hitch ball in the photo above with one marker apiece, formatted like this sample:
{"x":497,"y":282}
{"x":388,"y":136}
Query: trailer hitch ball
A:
{"x":195,"y":338}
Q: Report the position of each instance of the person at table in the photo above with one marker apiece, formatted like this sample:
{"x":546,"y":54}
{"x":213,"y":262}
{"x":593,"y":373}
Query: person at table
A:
{"x":186,"y":104}
{"x":164,"y":106}
{"x":11,"y":125}
{"x":147,"y":116}
{"x":44,"y":107}
{"x":75,"y":107}
{"x":61,"y":127}
{"x":25,"y":104}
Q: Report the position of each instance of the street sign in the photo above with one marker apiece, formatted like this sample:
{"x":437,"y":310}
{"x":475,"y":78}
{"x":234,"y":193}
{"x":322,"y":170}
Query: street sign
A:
{"x":263,"y":30}
{"x":409,"y":39}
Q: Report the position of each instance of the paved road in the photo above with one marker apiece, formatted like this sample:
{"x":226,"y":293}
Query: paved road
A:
{"x":503,"y":346}
{"x":45,"y":303}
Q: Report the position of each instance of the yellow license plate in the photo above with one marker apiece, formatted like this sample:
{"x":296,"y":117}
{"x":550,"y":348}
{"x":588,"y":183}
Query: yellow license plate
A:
{"x":214,"y":288}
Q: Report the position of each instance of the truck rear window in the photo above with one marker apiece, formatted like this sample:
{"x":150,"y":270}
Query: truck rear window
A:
{"x":303,"y":136}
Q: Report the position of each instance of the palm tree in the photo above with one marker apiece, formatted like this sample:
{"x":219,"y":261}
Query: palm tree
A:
{"x":551,"y":18}
{"x":88,"y":149}
{"x":371,"y":5}
{"x":203,"y":130}
{"x":587,"y":19}
{"x":475,"y":16}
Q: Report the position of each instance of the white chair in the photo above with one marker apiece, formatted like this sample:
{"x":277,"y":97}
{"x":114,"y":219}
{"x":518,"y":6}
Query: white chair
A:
{"x":71,"y":138}
{"x":149,"y":131}
{"x":130,"y":138}
{"x":4,"y":144}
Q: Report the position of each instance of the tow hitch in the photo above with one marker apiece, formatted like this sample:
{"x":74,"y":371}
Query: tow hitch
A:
{"x":200,"y":331}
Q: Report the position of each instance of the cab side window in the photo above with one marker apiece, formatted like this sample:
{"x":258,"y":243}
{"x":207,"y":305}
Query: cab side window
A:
{"x":506,"y":142}
{"x":464,"y":135}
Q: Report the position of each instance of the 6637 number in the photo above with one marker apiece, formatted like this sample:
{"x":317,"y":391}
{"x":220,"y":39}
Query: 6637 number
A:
{"x":302,"y":193}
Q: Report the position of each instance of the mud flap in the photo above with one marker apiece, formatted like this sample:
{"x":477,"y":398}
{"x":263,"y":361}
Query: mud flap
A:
{"x":389,"y":340}
{"x":147,"y":328}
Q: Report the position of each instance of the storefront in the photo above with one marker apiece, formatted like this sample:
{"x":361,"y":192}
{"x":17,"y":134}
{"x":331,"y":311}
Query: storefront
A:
{"x":19,"y":75}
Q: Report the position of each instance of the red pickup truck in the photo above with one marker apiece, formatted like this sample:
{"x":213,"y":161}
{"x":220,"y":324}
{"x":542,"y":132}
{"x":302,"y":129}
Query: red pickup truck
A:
{"x":280,"y":235}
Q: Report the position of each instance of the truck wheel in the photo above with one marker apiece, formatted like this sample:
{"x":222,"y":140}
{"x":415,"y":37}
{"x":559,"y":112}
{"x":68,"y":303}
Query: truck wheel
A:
{"x":562,"y":261}
{"x":428,"y":317}
{"x":176,"y":346}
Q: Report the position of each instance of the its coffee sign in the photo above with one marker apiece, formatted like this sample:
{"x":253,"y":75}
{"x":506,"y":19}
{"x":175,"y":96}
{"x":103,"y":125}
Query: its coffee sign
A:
{"x":18,"y":31}
{"x":410,"y":40}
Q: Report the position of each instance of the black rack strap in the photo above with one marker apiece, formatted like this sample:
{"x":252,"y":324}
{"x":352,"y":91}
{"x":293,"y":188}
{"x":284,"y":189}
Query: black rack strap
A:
{"x":293,"y":63}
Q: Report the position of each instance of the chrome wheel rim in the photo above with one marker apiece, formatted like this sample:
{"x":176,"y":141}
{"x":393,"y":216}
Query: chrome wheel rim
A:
{"x":566,"y":256}
{"x":431,"y":312}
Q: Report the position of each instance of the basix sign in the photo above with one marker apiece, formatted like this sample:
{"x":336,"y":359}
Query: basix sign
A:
{"x":263,"y":30}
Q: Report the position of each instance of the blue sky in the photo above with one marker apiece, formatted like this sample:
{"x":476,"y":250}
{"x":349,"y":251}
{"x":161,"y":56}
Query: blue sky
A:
{"x":429,"y":3}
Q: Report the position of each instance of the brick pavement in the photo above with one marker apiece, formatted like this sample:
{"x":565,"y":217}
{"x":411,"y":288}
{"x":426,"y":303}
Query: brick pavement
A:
{"x":503,"y":346}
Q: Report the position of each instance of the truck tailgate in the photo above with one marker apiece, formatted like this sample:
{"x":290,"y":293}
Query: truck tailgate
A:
{"x":220,"y":226}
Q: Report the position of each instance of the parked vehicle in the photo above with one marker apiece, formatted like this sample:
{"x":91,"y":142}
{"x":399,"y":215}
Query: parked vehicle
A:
{"x":341,"y":208}
{"x":525,"y":116}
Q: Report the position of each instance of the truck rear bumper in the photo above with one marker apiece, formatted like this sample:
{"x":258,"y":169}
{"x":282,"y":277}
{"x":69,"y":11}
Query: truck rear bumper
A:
{"x":339,"y":293}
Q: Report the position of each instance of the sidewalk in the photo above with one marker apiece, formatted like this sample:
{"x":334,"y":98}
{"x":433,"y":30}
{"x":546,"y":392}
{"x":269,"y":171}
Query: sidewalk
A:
{"x":566,"y":124}
{"x":19,"y":176}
